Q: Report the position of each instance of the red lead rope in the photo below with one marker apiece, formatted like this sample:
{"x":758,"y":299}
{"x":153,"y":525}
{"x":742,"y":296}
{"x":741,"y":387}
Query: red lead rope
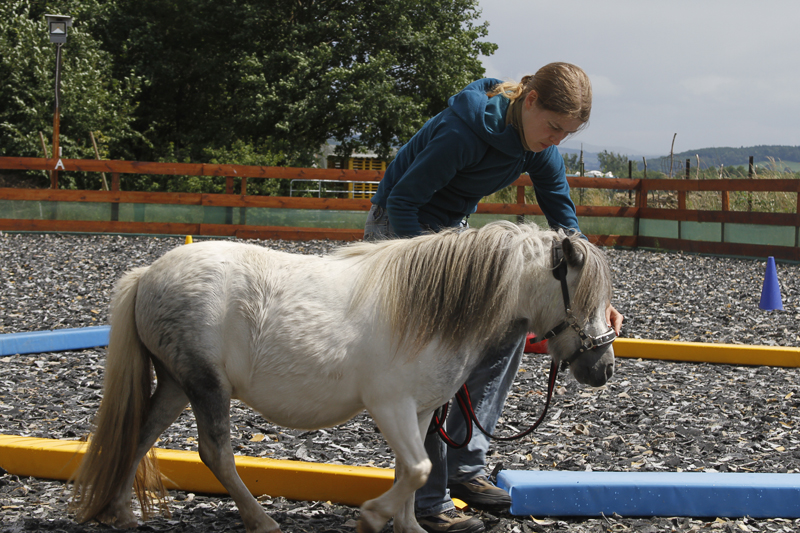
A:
{"x":465,"y":405}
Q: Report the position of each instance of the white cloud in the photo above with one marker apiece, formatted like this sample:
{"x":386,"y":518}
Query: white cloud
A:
{"x":603,"y":86}
{"x":709,"y":85}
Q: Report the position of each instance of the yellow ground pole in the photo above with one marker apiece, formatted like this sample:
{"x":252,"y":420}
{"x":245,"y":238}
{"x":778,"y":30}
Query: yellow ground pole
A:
{"x":296,"y":480}
{"x":700,"y":352}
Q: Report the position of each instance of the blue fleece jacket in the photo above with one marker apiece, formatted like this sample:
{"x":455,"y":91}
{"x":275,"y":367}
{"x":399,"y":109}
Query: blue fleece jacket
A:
{"x":459,"y":156}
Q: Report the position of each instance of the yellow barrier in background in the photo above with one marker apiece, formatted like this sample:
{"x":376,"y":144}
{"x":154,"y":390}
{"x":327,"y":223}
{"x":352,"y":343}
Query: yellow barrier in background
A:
{"x":700,"y":352}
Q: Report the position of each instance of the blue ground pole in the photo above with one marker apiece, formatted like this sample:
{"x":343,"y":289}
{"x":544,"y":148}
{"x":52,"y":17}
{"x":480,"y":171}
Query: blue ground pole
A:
{"x":695,"y":494}
{"x":57,"y":340}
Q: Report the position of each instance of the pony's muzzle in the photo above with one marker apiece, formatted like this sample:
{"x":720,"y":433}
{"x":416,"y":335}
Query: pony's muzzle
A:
{"x":594,"y":367}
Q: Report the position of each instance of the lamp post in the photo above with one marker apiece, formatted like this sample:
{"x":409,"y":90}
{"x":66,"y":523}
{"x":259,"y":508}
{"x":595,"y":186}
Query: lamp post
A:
{"x":57,"y":27}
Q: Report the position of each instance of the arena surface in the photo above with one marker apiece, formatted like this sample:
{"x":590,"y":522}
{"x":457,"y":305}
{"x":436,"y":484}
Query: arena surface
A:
{"x":652,"y":416}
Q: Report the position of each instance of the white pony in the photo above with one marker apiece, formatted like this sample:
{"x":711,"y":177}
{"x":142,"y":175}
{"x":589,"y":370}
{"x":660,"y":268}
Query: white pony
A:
{"x":393,"y":327}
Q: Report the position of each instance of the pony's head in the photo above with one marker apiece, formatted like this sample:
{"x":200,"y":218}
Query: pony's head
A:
{"x":578,"y":333}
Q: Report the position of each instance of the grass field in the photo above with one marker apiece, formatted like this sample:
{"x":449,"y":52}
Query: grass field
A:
{"x":764,"y":202}
{"x":794,"y":166}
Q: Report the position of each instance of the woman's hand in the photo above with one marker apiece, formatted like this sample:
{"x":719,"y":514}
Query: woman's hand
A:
{"x":614,"y":319}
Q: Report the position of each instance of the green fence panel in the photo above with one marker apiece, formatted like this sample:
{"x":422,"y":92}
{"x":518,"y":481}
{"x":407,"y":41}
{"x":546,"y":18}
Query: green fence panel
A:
{"x":666,"y":229}
{"x":701,"y":231}
{"x":757,"y":234}
{"x":305,"y":218}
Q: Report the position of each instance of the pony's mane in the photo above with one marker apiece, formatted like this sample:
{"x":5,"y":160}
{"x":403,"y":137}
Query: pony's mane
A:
{"x":459,"y":286}
{"x":594,"y":287}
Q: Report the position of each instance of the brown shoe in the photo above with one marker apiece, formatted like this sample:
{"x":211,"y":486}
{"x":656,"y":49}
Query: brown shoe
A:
{"x":450,"y":521}
{"x":481,"y":494}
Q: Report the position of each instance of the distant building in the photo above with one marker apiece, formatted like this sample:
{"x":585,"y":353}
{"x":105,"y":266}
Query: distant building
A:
{"x":593,"y":174}
{"x":357,"y":161}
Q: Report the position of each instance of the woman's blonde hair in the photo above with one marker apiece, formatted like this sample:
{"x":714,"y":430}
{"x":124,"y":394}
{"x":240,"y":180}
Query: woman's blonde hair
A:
{"x":562,"y":88}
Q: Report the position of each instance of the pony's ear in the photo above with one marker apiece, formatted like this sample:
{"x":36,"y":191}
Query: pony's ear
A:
{"x":575,"y":258}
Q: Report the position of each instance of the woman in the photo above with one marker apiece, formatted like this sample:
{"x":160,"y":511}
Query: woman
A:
{"x":490,"y":134}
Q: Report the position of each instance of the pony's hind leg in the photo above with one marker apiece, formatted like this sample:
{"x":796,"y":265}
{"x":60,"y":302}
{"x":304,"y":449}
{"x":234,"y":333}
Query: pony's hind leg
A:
{"x":212,"y":411}
{"x":166,"y":405}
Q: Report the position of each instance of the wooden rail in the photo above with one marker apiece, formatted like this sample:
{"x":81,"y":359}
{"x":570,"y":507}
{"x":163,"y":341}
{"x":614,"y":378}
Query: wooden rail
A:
{"x":187,"y":169}
{"x":639,"y":209}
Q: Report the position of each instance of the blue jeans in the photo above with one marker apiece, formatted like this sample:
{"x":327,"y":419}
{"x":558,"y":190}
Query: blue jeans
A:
{"x":378,"y":226}
{"x":488,"y":386}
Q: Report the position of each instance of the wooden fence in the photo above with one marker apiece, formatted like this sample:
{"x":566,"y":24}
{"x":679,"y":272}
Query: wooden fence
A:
{"x":638,"y":212}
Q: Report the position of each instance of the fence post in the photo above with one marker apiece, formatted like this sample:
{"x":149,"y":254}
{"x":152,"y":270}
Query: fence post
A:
{"x":630,"y":177}
{"x":115,"y":205}
{"x":520,"y":201}
{"x":726,"y":206}
{"x":644,"y":178}
{"x":641,"y":201}
{"x":243,"y":210}
{"x":682,"y":195}
{"x":797,"y":221}
{"x":641,"y":193}
{"x":751,"y":171}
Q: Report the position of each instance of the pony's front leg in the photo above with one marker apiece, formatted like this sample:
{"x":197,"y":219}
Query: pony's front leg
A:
{"x":403,"y":431}
{"x":405,"y":520}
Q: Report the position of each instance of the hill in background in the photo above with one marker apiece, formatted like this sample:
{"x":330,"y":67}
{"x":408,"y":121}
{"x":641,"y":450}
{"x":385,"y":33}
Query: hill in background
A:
{"x":773,"y":157}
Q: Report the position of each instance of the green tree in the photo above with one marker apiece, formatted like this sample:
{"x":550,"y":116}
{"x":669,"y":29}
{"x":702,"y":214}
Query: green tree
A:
{"x":572,"y":163}
{"x":91,"y":99}
{"x":291,"y":75}
{"x":614,"y":163}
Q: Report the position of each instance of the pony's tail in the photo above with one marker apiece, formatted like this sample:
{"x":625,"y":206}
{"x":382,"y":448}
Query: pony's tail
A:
{"x":123,"y":410}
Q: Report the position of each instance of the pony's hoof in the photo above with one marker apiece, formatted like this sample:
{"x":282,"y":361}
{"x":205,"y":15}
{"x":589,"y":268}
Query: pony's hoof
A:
{"x":124,"y":521}
{"x":370,"y":522}
{"x":118,"y":523}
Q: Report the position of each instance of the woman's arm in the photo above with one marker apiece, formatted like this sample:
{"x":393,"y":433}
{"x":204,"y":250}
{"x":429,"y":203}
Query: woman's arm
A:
{"x":549,"y":178}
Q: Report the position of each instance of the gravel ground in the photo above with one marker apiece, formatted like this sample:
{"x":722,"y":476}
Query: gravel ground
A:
{"x":652,"y":416}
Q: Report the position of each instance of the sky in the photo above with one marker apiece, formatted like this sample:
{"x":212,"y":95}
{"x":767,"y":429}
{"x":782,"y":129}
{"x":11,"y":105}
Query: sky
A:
{"x":716,"y":72}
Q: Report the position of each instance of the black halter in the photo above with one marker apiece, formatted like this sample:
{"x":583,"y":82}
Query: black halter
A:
{"x":588,"y":342}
